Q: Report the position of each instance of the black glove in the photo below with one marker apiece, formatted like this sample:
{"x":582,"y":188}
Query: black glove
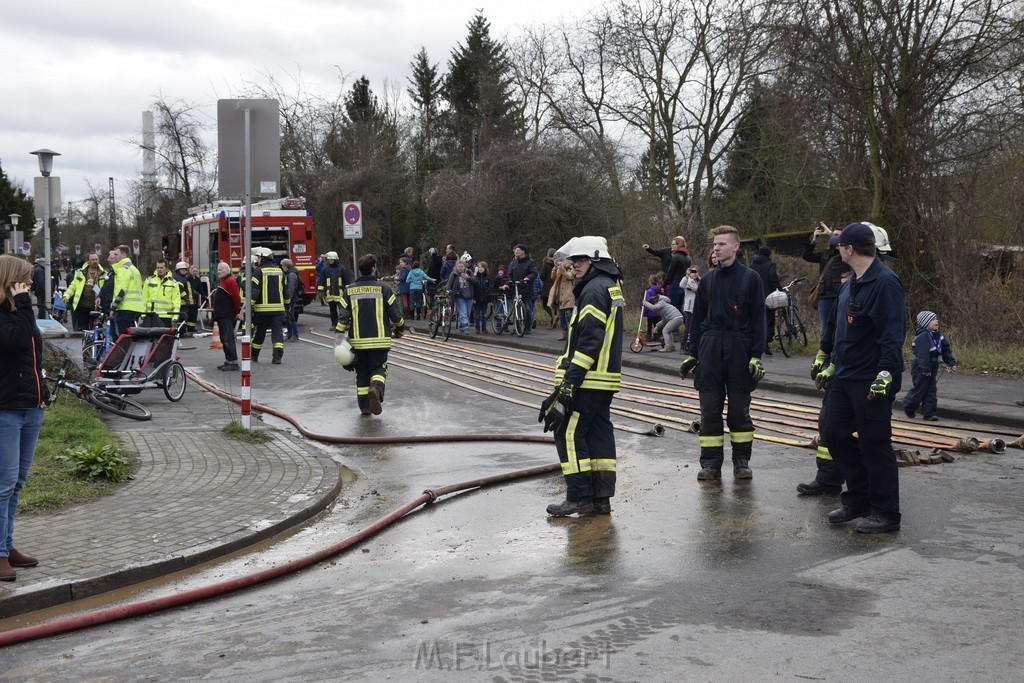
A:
{"x":398,"y":332}
{"x":687,"y":366}
{"x":551,"y":417}
{"x":566,"y":392}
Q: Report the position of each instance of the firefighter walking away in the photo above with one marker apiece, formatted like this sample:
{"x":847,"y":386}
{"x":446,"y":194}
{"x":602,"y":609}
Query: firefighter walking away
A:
{"x":371,"y":313}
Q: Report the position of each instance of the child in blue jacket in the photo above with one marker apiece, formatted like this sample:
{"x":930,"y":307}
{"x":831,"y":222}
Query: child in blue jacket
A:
{"x":415,"y":279}
{"x":929,"y":346}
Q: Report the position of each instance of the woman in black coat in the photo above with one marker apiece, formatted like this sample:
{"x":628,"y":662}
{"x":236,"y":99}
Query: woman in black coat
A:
{"x":23,"y":397}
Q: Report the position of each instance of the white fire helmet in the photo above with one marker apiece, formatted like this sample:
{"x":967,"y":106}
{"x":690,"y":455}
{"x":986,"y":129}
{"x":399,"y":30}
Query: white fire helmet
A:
{"x":592,"y":246}
{"x":181,"y":264}
{"x":331,"y":256}
{"x":343,"y":353}
{"x":882,"y":245}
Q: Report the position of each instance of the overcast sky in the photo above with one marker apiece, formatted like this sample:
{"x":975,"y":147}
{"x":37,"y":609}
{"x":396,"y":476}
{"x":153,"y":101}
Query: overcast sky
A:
{"x":78,"y":75}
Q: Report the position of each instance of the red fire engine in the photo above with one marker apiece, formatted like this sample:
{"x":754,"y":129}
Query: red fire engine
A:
{"x":213,"y":233}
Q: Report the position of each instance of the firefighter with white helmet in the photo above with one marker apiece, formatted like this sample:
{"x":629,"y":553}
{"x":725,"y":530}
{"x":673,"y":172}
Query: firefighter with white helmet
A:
{"x":587,"y":376}
{"x":266,"y":292}
{"x":371,"y":314}
{"x":331,"y":287}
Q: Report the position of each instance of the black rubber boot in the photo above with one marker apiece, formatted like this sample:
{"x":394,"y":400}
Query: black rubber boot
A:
{"x":571,"y":507}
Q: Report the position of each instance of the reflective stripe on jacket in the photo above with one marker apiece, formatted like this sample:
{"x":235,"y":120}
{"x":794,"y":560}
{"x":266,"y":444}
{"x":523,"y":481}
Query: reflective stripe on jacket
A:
{"x":369,"y":311}
{"x":593,"y":355}
{"x":127,"y":286}
{"x":267,"y":289}
{"x":80,"y":281}
{"x":161,"y":295}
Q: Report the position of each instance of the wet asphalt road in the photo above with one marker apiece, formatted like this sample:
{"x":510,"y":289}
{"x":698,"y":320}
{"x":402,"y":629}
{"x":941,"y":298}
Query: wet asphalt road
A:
{"x":682,"y":582}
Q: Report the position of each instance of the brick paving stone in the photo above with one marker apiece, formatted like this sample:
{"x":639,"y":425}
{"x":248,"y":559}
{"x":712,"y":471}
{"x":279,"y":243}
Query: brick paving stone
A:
{"x":196,"y":495}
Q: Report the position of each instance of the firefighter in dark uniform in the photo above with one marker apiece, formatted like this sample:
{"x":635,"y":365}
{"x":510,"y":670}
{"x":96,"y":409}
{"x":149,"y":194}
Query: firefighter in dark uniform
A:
{"x":587,"y":376}
{"x":726,"y":337}
{"x":371,"y":312}
{"x":266,"y":291}
{"x":332,"y":287}
{"x":865,"y":342}
{"x":188,"y":298}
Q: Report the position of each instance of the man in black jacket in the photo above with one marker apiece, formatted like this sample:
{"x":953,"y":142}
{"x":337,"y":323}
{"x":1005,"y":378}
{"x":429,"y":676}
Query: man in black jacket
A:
{"x":521,"y":271}
{"x":39,"y":287}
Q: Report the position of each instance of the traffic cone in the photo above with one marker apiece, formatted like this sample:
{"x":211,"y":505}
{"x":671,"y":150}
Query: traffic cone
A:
{"x":215,"y":339}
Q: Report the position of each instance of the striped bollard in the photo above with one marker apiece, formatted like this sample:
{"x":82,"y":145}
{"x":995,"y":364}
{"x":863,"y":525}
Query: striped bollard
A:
{"x":246,"y":394}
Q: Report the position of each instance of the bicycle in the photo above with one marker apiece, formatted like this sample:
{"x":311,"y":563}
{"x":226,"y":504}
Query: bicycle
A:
{"x":789,"y":328}
{"x":514,"y":315}
{"x":96,"y":342}
{"x":101,"y":398}
{"x":441,"y":315}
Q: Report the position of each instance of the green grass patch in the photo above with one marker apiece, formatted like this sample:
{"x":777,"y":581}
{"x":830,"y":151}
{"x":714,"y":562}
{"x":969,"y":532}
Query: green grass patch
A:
{"x":68,"y":424}
{"x":235,"y":430}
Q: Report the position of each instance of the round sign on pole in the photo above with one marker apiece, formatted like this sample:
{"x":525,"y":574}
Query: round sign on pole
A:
{"x":135,"y":247}
{"x":97,"y":245}
{"x":78,"y":250}
{"x":26,"y":248}
{"x":352,"y":213}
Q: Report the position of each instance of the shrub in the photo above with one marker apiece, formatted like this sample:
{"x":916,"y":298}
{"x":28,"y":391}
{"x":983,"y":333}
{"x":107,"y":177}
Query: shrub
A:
{"x":100,"y":460}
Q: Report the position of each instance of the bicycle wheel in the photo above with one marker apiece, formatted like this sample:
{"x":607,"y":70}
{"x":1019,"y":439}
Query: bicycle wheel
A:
{"x":785,"y":332}
{"x":174,"y":381}
{"x":118,"y":405}
{"x":435,"y":321}
{"x":449,"y":313}
{"x":519,"y":317}
{"x":92,"y":355}
{"x":499,"y":319}
{"x":798,"y":325}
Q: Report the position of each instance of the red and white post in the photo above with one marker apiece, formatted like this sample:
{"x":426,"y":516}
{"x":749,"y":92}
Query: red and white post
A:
{"x":246,"y":395}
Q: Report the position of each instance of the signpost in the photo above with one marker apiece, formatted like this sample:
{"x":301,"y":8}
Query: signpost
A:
{"x":26,"y":248}
{"x":78,"y":250}
{"x":135,"y":247}
{"x":352,"y":214}
{"x":97,"y":245}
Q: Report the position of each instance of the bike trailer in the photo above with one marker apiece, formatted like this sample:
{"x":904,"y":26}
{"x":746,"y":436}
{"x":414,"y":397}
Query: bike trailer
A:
{"x":138,"y":355}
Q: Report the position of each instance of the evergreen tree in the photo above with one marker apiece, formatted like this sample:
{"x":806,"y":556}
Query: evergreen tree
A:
{"x":15,"y":200}
{"x":425,"y":91}
{"x":478,"y":88}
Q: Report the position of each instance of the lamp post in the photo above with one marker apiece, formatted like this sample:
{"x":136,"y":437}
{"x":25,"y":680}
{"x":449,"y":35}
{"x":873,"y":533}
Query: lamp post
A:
{"x":14,"y":229}
{"x":45,"y":168}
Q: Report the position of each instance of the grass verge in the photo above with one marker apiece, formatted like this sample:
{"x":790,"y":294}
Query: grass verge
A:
{"x":69,"y":423}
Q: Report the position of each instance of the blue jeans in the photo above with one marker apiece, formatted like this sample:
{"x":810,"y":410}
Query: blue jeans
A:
{"x":19,"y":431}
{"x":464,"y":306}
{"x":480,"y":315}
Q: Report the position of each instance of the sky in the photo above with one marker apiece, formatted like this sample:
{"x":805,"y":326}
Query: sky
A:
{"x":78,"y":75}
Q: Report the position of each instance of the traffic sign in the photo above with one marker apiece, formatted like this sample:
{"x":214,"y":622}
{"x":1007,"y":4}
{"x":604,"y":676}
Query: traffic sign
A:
{"x":135,"y":247}
{"x":97,"y":245}
{"x":78,"y":250}
{"x":352,"y":213}
{"x":26,"y":248}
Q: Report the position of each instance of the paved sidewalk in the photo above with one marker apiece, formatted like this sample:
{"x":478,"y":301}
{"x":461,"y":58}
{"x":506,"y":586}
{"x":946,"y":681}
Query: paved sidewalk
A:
{"x":196,"y":495}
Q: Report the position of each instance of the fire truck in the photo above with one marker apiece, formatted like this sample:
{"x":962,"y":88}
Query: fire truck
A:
{"x":213,"y":233}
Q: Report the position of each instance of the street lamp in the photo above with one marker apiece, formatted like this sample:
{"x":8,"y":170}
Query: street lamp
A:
{"x":14,"y":229}
{"x":45,"y":168}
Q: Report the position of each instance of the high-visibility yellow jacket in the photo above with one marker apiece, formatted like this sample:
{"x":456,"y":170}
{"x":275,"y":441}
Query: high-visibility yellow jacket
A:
{"x":369,"y":311}
{"x":266,"y":289}
{"x":161,"y":295}
{"x":127,"y":287}
{"x":593,"y":355}
{"x":81,"y":281}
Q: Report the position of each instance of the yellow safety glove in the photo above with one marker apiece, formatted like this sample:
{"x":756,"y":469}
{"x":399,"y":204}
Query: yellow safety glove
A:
{"x":880,"y":387}
{"x":819,"y":362}
{"x":822,"y":380}
{"x":756,"y":368}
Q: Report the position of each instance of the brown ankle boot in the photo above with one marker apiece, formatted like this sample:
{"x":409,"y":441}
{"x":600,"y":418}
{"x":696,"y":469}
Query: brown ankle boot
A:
{"x":20,"y":559}
{"x":6,"y":573}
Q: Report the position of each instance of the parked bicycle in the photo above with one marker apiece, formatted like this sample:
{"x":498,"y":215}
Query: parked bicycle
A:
{"x":441,"y":314}
{"x":96,"y":342}
{"x":101,"y":398}
{"x":789,"y":328}
{"x":507,"y":314}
